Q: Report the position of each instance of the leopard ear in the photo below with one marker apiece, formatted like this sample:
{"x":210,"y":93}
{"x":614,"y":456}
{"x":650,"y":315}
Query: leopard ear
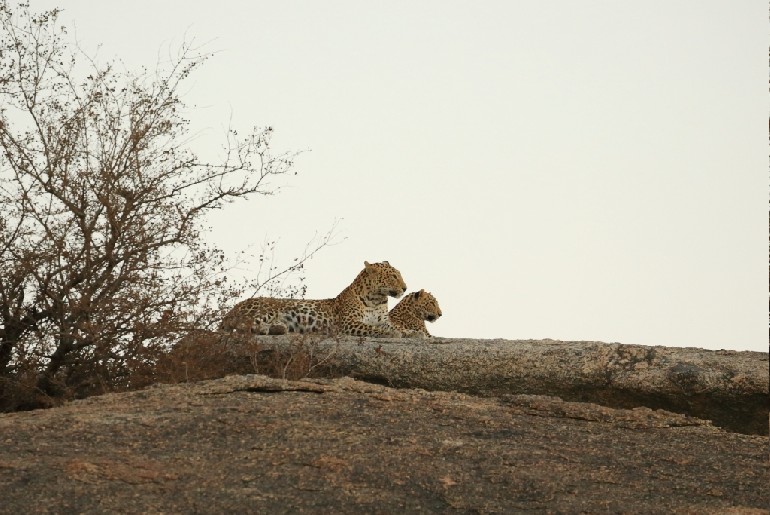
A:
{"x":367,"y":264}
{"x":417,"y":294}
{"x":385,"y":263}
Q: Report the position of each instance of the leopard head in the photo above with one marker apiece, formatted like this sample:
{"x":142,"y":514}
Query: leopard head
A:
{"x":425,"y":305}
{"x":383,"y":279}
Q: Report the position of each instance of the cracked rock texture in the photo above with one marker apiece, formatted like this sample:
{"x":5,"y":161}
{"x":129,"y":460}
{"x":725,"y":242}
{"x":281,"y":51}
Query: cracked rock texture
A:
{"x":252,"y":444}
{"x":729,"y":388}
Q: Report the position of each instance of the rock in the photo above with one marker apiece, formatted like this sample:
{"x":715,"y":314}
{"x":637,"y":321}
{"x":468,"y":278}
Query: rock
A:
{"x":728,"y":387}
{"x":252,"y":444}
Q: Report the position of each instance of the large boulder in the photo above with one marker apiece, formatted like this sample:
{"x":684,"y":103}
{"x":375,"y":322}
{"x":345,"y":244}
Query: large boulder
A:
{"x":729,"y":388}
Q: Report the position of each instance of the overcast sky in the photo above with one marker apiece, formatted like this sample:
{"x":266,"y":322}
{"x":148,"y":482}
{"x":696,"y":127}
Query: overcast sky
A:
{"x":591,"y":170}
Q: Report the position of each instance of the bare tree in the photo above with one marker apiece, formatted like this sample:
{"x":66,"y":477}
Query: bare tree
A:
{"x":101,"y":204}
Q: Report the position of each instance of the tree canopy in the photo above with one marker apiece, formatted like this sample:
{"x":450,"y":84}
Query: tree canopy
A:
{"x":101,"y":208}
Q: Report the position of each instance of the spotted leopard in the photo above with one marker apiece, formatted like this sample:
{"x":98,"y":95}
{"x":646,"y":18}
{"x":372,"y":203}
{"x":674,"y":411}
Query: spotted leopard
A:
{"x":361,"y":309}
{"x":410,"y":314}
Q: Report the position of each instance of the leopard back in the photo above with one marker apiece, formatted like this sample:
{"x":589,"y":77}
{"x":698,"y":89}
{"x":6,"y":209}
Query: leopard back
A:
{"x":265,"y":315}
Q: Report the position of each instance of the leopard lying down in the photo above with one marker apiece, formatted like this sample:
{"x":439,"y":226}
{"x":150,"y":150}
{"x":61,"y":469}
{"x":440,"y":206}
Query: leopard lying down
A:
{"x":409,"y":315}
{"x":361,"y":309}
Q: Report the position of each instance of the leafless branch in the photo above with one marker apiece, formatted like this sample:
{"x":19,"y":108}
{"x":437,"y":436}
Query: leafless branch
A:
{"x":102,"y":204}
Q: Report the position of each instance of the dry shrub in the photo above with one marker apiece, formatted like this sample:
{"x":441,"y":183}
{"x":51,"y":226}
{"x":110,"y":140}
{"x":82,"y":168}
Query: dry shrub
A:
{"x":198,"y":356}
{"x":22,"y":394}
{"x":204,"y":355}
{"x":303,"y":356}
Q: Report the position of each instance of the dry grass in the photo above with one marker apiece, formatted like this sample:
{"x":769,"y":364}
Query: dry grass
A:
{"x":198,"y":356}
{"x":210,"y":355}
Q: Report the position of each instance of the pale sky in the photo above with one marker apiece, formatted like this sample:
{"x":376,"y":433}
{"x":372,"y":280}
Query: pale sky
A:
{"x":592,"y":170}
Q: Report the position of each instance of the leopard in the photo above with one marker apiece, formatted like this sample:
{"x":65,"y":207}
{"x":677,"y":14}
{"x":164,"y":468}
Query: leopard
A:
{"x":361,"y":309}
{"x":410,"y":314}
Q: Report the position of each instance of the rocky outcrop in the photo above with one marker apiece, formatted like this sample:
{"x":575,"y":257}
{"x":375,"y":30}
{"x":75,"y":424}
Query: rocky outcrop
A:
{"x":252,"y":444}
{"x":729,"y":388}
